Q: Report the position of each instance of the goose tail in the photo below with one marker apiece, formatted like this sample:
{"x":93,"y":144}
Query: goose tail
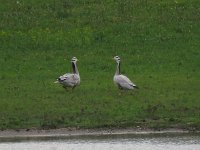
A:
{"x":136,"y":87}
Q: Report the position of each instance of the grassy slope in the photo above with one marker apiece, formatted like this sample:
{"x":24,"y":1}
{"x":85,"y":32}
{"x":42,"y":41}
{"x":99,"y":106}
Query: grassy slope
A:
{"x":158,"y":42}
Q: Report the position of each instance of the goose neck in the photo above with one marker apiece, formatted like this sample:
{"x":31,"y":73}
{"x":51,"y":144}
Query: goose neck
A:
{"x":74,"y":67}
{"x":117,"y":69}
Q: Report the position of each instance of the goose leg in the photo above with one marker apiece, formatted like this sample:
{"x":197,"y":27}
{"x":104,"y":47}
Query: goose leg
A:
{"x":66,"y":89}
{"x":73,"y":88}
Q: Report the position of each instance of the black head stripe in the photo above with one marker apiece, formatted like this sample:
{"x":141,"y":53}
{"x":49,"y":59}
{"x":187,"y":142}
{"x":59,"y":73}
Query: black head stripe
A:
{"x":74,"y":59}
{"x":117,"y":57}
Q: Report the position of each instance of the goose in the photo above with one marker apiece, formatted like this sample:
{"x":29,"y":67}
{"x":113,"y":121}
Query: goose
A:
{"x":70,"y":80}
{"x":123,"y":82}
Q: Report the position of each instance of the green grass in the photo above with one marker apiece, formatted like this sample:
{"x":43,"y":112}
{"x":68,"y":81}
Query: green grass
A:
{"x":158,"y":42}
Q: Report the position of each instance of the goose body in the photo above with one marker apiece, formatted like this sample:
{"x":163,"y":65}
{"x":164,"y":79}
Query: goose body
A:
{"x":70,"y":80}
{"x":120,"y":80}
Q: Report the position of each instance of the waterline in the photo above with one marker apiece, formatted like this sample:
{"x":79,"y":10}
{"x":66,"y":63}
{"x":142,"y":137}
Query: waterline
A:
{"x":105,"y":142}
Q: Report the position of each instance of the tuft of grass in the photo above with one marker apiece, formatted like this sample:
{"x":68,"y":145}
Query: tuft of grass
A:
{"x":158,"y":42}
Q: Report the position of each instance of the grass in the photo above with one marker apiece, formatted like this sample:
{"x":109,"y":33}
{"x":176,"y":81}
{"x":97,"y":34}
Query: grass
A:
{"x":158,"y":42}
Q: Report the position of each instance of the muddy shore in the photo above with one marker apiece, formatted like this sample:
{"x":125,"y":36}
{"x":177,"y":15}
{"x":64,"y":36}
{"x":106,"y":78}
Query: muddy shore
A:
{"x":81,"y":132}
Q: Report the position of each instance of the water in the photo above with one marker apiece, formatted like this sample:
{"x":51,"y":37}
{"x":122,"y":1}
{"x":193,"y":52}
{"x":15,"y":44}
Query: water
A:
{"x":106,"y":142}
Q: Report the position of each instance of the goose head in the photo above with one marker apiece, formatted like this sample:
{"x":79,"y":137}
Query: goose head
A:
{"x":117,"y":59}
{"x":74,"y":60}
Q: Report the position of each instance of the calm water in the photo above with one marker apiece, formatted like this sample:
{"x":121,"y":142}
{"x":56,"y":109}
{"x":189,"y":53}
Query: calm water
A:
{"x":120,"y":142}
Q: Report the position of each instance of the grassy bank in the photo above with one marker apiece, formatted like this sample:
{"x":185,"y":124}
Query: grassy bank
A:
{"x":158,"y":42}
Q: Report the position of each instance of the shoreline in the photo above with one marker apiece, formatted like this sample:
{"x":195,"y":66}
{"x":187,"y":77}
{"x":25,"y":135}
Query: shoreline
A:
{"x":69,"y":132}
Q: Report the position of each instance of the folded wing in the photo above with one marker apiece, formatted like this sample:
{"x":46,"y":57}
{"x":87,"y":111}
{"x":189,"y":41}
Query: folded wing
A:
{"x":124,"y":82}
